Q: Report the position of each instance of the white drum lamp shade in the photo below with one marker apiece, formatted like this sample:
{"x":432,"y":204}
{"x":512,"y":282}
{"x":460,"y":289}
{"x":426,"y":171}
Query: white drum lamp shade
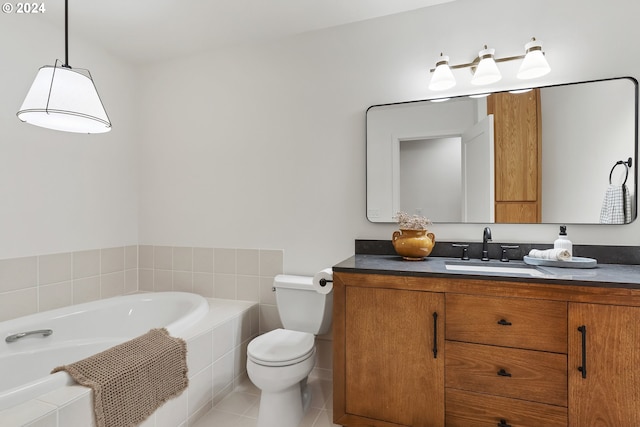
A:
{"x":64,"y":99}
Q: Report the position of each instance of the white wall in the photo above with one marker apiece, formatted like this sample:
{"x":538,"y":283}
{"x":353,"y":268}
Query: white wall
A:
{"x":62,"y":192}
{"x":264,"y":146}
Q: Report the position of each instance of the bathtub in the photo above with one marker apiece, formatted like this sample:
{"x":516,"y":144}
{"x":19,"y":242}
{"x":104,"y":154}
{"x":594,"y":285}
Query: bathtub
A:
{"x":80,"y":331}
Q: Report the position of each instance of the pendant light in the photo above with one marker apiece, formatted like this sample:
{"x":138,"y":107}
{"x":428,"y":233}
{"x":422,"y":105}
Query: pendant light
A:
{"x":64,"y":98}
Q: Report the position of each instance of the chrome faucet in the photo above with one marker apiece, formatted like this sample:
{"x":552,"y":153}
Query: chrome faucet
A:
{"x":486,"y":237}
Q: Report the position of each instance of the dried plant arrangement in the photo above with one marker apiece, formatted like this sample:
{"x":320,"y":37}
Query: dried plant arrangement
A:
{"x":412,"y":222}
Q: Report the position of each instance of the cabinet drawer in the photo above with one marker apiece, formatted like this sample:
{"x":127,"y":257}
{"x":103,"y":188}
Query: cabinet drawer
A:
{"x":510,"y":322}
{"x":509,"y":372}
{"x":467,"y":409}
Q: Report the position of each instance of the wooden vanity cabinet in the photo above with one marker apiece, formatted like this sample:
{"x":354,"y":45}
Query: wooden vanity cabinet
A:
{"x":604,"y":358}
{"x":509,"y":357}
{"x":391,"y":352}
{"x":507,"y":353}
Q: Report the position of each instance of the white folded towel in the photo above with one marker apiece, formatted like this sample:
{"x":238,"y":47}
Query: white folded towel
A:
{"x":551,"y":254}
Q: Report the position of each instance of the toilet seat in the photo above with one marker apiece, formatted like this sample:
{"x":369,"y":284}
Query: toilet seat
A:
{"x":281,"y":347}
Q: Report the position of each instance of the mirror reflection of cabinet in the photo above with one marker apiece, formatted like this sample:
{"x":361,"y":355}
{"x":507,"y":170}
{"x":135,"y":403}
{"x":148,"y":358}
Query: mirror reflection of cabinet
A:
{"x":583,"y":129}
{"x":518,"y":146}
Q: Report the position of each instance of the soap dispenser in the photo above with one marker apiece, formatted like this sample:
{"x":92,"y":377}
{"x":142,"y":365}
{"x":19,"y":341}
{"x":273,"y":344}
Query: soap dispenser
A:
{"x":563,"y":242}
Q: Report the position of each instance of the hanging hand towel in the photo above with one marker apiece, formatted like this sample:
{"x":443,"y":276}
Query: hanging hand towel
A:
{"x":616,"y":207}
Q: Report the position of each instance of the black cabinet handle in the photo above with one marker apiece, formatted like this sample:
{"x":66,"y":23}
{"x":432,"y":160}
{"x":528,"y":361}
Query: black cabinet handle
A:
{"x":503,"y":373}
{"x":435,"y":335}
{"x":583,"y":368}
{"x":503,"y":423}
{"x":504,"y":322}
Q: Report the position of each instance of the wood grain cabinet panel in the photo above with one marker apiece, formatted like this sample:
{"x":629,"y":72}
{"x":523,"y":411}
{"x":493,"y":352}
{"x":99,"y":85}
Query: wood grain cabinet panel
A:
{"x":394,"y":358}
{"x":509,"y":322}
{"x":517,"y":212}
{"x":608,"y":394}
{"x":518,"y":156}
{"x":522,"y":374}
{"x":545,"y":356}
{"x":468,"y":409}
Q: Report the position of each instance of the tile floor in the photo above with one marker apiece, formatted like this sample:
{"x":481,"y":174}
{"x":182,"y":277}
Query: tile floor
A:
{"x":240,"y":408}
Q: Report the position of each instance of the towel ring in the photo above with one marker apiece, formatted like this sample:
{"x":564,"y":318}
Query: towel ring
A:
{"x":626,"y":164}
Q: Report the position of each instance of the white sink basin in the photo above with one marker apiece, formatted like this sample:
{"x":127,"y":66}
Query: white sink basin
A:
{"x":516,"y":269}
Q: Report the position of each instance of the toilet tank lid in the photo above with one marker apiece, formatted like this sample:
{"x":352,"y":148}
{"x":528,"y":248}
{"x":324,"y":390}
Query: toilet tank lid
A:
{"x":293,"y":282}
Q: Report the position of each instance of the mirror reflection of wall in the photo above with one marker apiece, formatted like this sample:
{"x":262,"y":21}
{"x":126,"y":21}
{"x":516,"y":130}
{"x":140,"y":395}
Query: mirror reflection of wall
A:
{"x":585,"y":129}
{"x":422,"y":178}
{"x":387,"y":125}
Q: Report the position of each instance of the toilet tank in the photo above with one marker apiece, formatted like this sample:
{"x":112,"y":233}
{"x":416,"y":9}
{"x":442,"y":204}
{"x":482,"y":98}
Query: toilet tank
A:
{"x":300,"y":307}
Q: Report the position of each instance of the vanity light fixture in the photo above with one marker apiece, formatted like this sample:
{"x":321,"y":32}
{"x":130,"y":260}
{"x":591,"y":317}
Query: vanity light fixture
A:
{"x":485,"y":70}
{"x":64,"y":98}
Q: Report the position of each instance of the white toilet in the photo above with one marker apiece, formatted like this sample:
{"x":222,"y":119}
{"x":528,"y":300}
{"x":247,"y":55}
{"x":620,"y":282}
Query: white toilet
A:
{"x":279,"y":361}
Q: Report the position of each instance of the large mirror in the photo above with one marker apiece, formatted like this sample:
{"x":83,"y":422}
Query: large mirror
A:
{"x":555,"y":154}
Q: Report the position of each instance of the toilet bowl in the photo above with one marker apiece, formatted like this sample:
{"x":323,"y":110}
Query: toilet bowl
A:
{"x":278,"y":363}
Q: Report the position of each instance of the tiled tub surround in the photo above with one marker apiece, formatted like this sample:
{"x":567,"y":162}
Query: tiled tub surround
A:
{"x":241,"y":274}
{"x":238,"y":274}
{"x":39,"y":283}
{"x":216,"y":357}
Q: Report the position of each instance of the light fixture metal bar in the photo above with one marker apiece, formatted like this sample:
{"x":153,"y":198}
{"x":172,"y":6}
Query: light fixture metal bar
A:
{"x":509,"y":58}
{"x":477,"y":60}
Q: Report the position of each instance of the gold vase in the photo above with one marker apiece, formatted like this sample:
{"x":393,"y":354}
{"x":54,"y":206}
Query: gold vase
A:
{"x":413,"y":245}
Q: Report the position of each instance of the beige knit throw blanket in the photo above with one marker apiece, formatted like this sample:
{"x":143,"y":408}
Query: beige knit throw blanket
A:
{"x":132,"y":379}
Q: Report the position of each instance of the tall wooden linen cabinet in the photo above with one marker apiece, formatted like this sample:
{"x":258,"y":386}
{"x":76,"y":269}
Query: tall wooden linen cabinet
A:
{"x":518,"y":156}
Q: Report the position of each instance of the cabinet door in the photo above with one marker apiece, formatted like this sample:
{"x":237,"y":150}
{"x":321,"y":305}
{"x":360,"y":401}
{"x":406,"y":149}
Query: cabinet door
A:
{"x":394,"y":356}
{"x":518,"y":159}
{"x":604,"y":381}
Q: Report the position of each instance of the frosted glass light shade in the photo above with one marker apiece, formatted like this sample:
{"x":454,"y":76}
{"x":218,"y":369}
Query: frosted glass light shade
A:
{"x":487,"y":71}
{"x":64,"y":99}
{"x":442,"y":78}
{"x":534,"y":63}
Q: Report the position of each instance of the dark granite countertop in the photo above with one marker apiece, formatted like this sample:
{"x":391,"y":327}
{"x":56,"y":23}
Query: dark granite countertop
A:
{"x":609,"y":275}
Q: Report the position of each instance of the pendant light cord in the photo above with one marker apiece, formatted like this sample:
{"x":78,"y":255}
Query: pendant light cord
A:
{"x":66,"y":34}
